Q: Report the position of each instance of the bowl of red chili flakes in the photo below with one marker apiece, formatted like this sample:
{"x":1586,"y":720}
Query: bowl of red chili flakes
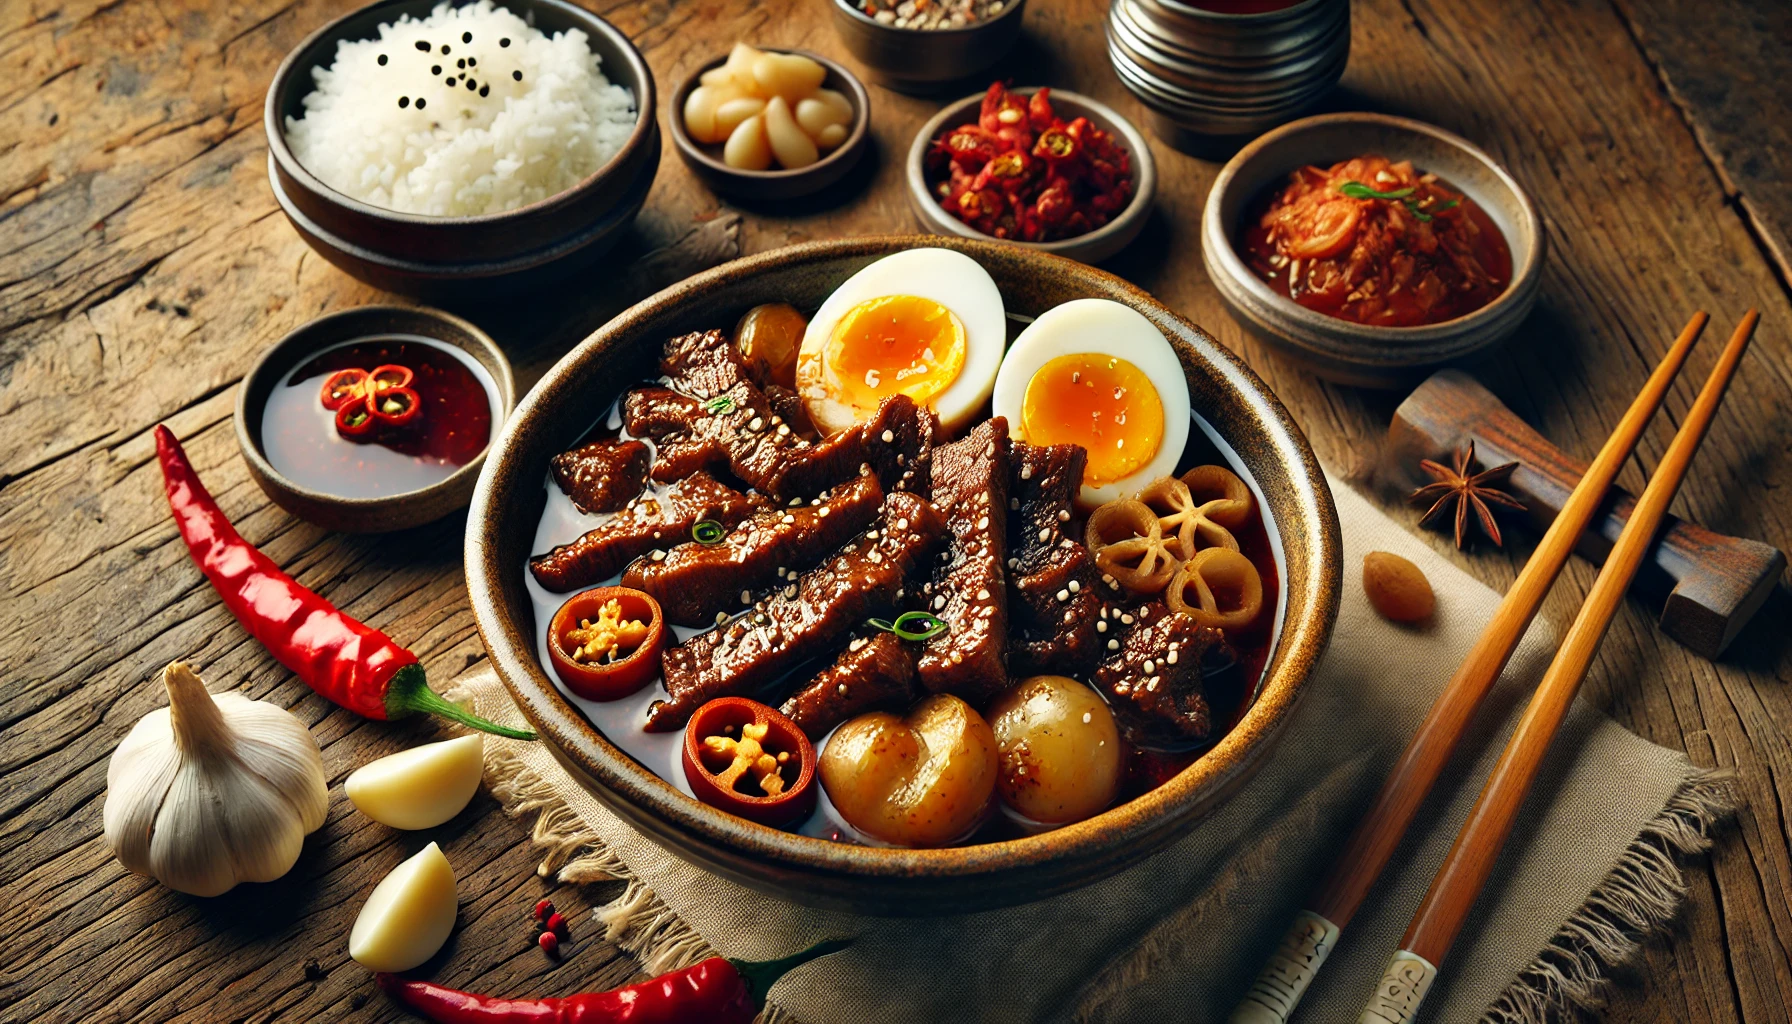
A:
{"x":1047,"y":170}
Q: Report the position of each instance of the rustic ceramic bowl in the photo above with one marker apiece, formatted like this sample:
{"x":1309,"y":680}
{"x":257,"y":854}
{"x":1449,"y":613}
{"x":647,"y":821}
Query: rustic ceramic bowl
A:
{"x":511,"y":497}
{"x":705,"y":161}
{"x":366,"y":515}
{"x":1092,"y":247}
{"x":457,"y":258}
{"x":1340,"y":350}
{"x":925,"y":60}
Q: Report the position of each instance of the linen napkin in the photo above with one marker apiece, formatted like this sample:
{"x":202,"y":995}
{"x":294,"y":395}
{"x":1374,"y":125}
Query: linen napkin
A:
{"x":1179,"y":936}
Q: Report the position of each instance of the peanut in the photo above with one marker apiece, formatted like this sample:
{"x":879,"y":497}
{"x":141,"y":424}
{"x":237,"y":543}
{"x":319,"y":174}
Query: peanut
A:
{"x":1396,"y":588}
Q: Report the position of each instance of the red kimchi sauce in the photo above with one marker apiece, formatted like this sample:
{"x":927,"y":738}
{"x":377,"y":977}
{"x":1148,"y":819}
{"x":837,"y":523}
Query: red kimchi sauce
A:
{"x":1379,"y":243}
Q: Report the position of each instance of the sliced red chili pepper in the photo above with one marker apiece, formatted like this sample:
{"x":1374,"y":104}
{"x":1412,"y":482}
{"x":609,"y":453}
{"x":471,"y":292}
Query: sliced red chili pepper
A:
{"x":355,"y":423}
{"x":1039,"y":110}
{"x":748,"y":759}
{"x":1057,"y":146}
{"x":343,"y":387}
{"x":390,"y":375}
{"x":605,"y":653}
{"x":394,"y":408}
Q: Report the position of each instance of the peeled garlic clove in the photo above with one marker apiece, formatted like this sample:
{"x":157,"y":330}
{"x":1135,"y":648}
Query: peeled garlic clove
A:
{"x":408,"y":916}
{"x":789,"y":75}
{"x":843,"y":112}
{"x":739,"y":64}
{"x":789,"y":144}
{"x":730,"y":114}
{"x":716,"y":76}
{"x":747,"y":147}
{"x":831,"y":137}
{"x":700,"y":115}
{"x":814,"y":115}
{"x":421,"y":787}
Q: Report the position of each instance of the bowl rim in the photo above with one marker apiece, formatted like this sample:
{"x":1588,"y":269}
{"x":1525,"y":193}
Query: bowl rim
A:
{"x":1186,"y":10}
{"x":496,"y":362}
{"x":852,"y":9}
{"x":1184,"y":797}
{"x":646,"y":100}
{"x":848,"y":150}
{"x":1218,"y":243}
{"x":1144,"y":166}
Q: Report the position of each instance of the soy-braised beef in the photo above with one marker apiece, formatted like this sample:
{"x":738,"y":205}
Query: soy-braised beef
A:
{"x":873,"y":673}
{"x":861,"y":580}
{"x":968,"y":588}
{"x":692,"y":582}
{"x":647,"y":522}
{"x":1153,"y":679}
{"x":602,"y":476}
{"x":1054,"y":584}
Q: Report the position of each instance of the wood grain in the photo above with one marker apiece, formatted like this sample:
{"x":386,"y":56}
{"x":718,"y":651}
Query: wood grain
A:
{"x":143,"y":265}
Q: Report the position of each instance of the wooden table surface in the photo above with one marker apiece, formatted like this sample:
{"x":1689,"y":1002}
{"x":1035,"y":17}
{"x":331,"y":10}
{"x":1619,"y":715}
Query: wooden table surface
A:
{"x":144,"y":265}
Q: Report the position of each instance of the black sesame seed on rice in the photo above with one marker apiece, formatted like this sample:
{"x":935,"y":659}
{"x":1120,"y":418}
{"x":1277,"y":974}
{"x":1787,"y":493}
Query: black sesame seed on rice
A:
{"x":419,"y":103}
{"x":472,"y":62}
{"x":472,"y":85}
{"x":423,"y":44}
{"x":485,"y":90}
{"x":518,"y":75}
{"x":444,"y":47}
{"x":382,"y":60}
{"x":435,"y":69}
{"x":504,"y":41}
{"x":405,"y":101}
{"x":461,"y":63}
{"x":466,"y":37}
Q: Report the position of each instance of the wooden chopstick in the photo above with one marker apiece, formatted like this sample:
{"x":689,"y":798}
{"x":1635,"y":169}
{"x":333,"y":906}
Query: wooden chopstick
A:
{"x":1314,"y":933}
{"x":1470,"y":861}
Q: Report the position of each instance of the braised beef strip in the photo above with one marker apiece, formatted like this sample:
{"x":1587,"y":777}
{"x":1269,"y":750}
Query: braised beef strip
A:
{"x":692,"y":582}
{"x":647,"y":522}
{"x":968,"y":588}
{"x":861,"y":580}
{"x":1152,"y":672}
{"x":1053,"y":584}
{"x":602,"y":476}
{"x":711,"y":416}
{"x":873,"y":673}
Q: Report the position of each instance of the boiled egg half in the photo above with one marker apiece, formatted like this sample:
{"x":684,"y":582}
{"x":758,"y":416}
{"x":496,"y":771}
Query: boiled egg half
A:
{"x":1095,"y":372}
{"x":926,"y":323}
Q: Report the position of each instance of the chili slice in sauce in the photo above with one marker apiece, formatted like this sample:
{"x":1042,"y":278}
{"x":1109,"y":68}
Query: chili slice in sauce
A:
{"x":605,"y":643}
{"x":747,"y":759}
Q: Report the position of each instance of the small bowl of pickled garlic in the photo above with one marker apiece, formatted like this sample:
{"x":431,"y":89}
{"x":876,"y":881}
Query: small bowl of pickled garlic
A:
{"x":770,"y":124}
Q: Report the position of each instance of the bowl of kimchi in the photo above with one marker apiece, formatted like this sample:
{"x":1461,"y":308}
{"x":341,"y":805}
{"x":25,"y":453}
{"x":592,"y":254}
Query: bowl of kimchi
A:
{"x":1372,"y":249}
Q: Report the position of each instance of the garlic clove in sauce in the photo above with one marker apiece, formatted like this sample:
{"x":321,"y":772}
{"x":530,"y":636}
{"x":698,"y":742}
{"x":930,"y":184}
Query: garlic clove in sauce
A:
{"x":408,"y":916}
{"x":421,"y":787}
{"x":213,"y":789}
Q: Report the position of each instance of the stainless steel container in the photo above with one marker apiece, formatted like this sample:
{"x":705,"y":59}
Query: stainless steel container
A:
{"x":1203,"y":74}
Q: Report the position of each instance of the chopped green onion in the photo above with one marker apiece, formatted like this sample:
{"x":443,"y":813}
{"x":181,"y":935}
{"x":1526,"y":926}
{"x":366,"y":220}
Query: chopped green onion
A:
{"x":719,"y":405}
{"x":913,"y":626}
{"x":1358,"y":190}
{"x":708,"y":531}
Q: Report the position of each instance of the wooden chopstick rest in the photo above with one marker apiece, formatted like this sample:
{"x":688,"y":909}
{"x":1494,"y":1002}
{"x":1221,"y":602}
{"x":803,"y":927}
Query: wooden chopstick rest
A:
{"x":1314,"y":933}
{"x":1471,"y":859}
{"x":1711,"y":584}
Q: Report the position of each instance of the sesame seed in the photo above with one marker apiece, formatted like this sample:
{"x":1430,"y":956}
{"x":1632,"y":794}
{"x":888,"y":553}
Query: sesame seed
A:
{"x":1075,"y":587}
{"x":423,"y":45}
{"x":382,"y":60}
{"x":783,"y":429}
{"x":518,"y":75}
{"x":504,"y":41}
{"x":1101,"y":626}
{"x":1122,"y":688}
{"x":1069,"y":616}
{"x":1088,"y":716}
{"x":1149,"y":665}
{"x":1045,"y":533}
{"x":902,"y":524}
{"x":746,"y":597}
{"x":435,"y":69}
{"x":721,"y":617}
{"x":788,"y":519}
{"x":983,"y":523}
{"x":823,"y":513}
{"x":957,"y":658}
{"x":842,"y":689}
{"x":939,"y":602}
{"x":875,"y":557}
{"x":1014,"y":563}
{"x":461,"y":63}
{"x":1171,"y":660}
{"x":403,"y":101}
{"x":1063,"y":515}
{"x":485,"y":90}
{"x":1063,"y":595}
{"x":472,"y":86}
{"x":889,"y":435}
{"x":444,"y":48}
{"x":659,"y":556}
{"x":1127,"y":619}
{"x":756,"y":424}
{"x":1113,"y":645}
{"x":472,"y":62}
{"x":420,"y":103}
{"x":870,"y":534}
{"x":1026,"y":472}
{"x":466,"y":37}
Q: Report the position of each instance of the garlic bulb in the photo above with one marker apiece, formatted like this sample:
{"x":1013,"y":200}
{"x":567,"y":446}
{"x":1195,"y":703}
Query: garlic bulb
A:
{"x":213,"y":790}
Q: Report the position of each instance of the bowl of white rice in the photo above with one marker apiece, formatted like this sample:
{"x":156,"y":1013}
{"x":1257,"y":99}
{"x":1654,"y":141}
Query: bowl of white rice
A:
{"x":461,"y":149}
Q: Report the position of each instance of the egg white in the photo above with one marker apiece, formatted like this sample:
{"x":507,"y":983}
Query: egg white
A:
{"x":949,"y":278}
{"x":1102,"y":327}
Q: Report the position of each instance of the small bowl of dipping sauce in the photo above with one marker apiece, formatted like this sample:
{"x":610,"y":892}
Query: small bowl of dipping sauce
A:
{"x":374,"y":419}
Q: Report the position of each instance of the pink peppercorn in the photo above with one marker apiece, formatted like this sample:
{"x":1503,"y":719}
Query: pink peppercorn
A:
{"x":543,"y":909}
{"x":550,"y":944}
{"x":557,"y":924}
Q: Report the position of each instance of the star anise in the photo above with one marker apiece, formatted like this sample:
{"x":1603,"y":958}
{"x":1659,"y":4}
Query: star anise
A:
{"x":1457,"y":490}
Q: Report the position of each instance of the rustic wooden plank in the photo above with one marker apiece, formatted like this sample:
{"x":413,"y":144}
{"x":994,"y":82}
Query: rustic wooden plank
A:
{"x":142,"y":260}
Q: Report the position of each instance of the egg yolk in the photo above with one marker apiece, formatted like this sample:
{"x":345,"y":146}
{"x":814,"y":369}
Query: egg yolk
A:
{"x":1103,"y":403}
{"x":890,"y":345}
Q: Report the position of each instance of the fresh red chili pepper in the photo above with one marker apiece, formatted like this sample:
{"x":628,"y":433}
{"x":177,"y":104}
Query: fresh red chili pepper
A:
{"x":388,"y":376}
{"x":712,"y":991}
{"x":583,"y":619}
{"x":354,"y":665}
{"x":748,"y":759}
{"x":343,"y":387}
{"x":394,"y":408}
{"x":1039,"y":110}
{"x":1056,"y":146}
{"x":355,"y":423}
